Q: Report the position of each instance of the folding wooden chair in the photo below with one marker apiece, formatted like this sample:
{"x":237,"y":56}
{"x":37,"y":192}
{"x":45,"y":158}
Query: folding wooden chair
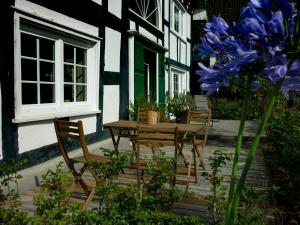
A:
{"x":201,"y":117}
{"x":73,"y":131}
{"x":154,"y":138}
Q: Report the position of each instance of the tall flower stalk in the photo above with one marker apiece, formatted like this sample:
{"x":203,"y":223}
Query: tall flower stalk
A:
{"x":263,"y":46}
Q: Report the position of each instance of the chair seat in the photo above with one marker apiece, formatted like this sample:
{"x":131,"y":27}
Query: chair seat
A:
{"x":199,"y":142}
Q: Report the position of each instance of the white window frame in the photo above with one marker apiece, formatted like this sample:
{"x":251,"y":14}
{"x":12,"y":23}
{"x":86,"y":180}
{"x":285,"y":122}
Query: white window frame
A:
{"x":182,"y":81}
{"x":181,"y":14}
{"x":26,"y":113}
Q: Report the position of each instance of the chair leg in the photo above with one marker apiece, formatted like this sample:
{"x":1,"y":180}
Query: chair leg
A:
{"x":89,"y":198}
{"x":133,"y":151}
{"x":195,"y":164}
{"x":200,"y":154}
{"x":180,"y":153}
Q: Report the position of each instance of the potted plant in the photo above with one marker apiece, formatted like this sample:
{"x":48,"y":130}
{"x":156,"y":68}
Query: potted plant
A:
{"x":178,"y":105}
{"x":145,"y":103}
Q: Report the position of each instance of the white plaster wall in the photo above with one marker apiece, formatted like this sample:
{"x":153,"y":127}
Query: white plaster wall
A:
{"x":200,"y":14}
{"x":111,"y":103}
{"x":212,"y":60}
{"x":173,"y":47}
{"x":38,"y":134}
{"x":188,"y":54}
{"x":132,"y":25}
{"x":166,"y":40}
{"x":188,"y":81}
{"x":188,"y":25}
{"x":182,"y":55}
{"x":56,"y":17}
{"x":167,"y":10}
{"x":89,"y":123}
{"x":112,"y":50}
{"x":115,"y":7}
{"x":98,"y":1}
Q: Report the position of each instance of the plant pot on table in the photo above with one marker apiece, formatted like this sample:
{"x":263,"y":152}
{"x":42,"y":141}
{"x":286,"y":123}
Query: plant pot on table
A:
{"x":152,"y":117}
{"x":182,"y":117}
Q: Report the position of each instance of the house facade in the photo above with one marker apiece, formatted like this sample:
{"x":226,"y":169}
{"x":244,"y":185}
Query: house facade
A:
{"x":85,"y":60}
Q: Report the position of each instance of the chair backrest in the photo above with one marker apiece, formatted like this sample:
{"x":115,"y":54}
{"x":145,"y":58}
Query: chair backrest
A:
{"x":142,"y":115}
{"x":201,"y":117}
{"x":159,"y":136}
{"x":197,"y":116}
{"x":66,"y":131}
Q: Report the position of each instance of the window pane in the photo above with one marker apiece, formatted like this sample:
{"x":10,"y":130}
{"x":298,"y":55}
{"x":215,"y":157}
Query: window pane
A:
{"x":80,"y":56}
{"x":28,"y":45}
{"x":176,"y":19}
{"x":46,"y":49}
{"x":29,"y":94}
{"x":80,"y":74}
{"x":68,"y":93}
{"x":29,"y":69}
{"x":47,"y":93}
{"x":68,"y":53}
{"x":47,"y":71}
{"x":69,"y":73}
{"x":80,"y":93}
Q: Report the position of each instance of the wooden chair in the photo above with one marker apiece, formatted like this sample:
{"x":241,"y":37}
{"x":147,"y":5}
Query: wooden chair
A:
{"x":155,"y":138}
{"x":73,"y":131}
{"x":202,"y":118}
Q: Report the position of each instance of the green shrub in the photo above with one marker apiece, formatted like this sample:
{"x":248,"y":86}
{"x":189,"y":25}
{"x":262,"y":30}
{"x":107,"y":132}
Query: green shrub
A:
{"x":180,"y":103}
{"x":231,"y":109}
{"x":284,"y":153}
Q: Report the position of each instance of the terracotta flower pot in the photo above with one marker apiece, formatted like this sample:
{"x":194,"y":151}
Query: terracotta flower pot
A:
{"x":152,"y":117}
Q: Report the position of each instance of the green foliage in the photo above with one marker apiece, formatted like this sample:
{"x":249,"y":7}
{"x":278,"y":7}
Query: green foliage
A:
{"x":250,"y":212}
{"x":8,"y":179}
{"x":51,"y":201}
{"x":283,"y":156}
{"x":161,"y":171}
{"x":126,"y":205}
{"x":12,"y":216}
{"x":232,"y":109}
{"x":146,"y":103}
{"x":217,"y":201}
{"x":180,"y":103}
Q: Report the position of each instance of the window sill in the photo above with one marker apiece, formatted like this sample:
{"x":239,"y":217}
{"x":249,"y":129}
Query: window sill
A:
{"x":48,"y":116}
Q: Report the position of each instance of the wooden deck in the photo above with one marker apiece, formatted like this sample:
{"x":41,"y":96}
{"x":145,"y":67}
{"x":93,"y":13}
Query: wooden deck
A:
{"x":194,"y":204}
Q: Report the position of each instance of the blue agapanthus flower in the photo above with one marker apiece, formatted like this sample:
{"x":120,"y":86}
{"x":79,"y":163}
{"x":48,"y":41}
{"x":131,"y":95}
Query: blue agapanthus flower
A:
{"x":265,"y":40}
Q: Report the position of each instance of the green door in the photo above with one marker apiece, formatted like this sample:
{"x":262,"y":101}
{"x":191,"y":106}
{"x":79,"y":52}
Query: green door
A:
{"x":161,"y":79}
{"x":145,"y":70}
{"x":138,"y":69}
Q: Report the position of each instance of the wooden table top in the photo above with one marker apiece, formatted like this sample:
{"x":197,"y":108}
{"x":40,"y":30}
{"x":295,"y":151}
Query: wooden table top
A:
{"x":132,"y":125}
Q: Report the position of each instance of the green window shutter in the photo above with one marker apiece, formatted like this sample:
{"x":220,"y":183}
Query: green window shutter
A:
{"x":161,"y":77}
{"x":138,"y":69}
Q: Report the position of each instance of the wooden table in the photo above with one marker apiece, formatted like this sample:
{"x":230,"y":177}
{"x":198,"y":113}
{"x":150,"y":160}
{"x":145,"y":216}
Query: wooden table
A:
{"x":131,"y":126}
{"x":128,"y":125}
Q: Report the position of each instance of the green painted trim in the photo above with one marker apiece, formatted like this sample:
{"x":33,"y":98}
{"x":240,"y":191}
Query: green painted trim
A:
{"x":178,"y":64}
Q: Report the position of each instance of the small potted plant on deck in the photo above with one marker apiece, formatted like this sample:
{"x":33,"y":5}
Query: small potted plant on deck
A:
{"x":178,"y":106}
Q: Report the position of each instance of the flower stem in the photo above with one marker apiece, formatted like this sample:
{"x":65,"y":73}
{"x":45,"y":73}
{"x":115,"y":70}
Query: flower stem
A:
{"x":238,"y":146}
{"x":251,"y":154}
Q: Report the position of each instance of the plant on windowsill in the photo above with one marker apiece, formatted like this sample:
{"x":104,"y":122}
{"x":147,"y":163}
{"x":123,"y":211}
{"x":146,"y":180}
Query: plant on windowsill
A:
{"x":178,"y":106}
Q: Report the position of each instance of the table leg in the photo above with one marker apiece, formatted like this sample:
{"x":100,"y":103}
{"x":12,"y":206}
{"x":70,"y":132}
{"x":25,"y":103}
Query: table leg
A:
{"x":115,"y":142}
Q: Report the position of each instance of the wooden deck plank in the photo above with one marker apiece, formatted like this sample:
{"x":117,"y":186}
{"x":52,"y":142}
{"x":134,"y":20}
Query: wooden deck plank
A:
{"x":193,"y":204}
